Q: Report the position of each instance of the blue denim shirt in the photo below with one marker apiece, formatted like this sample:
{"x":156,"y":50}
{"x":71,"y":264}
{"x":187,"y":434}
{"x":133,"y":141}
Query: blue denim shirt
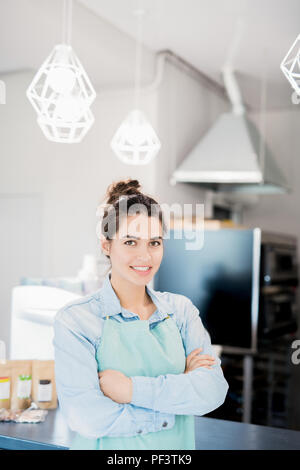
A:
{"x":155,"y":400}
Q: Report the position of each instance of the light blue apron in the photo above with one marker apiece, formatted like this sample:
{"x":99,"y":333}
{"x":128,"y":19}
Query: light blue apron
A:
{"x":137,"y":348}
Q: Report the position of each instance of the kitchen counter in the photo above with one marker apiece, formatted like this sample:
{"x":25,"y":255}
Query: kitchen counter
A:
{"x":211,"y":434}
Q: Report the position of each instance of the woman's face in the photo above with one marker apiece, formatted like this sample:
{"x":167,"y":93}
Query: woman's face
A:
{"x":137,"y":244}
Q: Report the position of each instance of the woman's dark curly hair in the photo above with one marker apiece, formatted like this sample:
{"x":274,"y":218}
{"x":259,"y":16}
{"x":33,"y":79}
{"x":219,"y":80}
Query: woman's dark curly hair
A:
{"x":126,"y":191}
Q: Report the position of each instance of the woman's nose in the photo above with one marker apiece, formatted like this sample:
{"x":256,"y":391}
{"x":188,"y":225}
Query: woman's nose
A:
{"x":143,"y":254}
{"x":144,"y":258}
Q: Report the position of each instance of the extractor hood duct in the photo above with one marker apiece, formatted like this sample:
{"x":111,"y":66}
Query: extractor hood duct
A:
{"x":231,"y":156}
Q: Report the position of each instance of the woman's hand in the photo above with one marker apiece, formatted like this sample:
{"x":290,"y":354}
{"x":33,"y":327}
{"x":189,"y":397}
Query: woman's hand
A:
{"x":115,"y":385}
{"x":193,"y":360}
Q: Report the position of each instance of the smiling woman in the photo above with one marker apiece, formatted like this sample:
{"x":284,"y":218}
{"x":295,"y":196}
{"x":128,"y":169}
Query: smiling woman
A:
{"x":132,"y":237}
{"x":136,"y":247}
{"x":129,"y":371}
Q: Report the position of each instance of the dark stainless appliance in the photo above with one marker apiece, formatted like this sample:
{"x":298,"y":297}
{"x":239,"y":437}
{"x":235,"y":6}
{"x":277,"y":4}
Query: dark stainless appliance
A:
{"x":278,"y":286}
{"x":243,"y":281}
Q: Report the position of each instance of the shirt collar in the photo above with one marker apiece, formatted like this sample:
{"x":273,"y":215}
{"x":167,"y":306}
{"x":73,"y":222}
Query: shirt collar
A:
{"x":112,"y":305}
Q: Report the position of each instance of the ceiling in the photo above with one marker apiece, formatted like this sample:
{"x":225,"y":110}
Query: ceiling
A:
{"x":254,"y":35}
{"x":202,"y":32}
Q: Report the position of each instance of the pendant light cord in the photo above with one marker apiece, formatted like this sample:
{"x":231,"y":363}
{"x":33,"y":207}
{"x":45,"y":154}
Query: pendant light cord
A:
{"x":67,"y":22}
{"x":263,"y":109}
{"x":139,"y":12}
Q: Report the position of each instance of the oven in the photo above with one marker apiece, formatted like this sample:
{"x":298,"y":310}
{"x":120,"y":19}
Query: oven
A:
{"x":278,"y":302}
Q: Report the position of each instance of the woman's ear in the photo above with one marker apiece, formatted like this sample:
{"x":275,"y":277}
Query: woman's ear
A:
{"x":105,"y":245}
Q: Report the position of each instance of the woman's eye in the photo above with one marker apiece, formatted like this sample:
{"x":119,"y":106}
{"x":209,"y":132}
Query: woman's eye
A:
{"x":129,"y":241}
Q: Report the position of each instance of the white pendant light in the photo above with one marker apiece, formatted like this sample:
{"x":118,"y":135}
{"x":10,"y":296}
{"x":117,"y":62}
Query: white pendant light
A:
{"x":61,"y":92}
{"x":135,"y":142}
{"x":290,"y":65}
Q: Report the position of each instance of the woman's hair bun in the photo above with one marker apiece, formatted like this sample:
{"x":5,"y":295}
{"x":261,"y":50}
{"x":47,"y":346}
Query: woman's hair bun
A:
{"x":122,"y":188}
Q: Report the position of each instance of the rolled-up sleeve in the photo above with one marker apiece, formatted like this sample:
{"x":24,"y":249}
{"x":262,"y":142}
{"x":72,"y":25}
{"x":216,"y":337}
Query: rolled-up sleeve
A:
{"x":195,"y":393}
{"x":86,"y":409}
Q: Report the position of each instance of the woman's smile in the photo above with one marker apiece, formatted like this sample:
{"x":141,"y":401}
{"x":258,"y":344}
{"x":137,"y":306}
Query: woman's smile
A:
{"x":142,"y":270}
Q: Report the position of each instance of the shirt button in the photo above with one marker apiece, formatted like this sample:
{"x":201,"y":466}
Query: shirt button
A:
{"x":139,"y":431}
{"x":165,"y":424}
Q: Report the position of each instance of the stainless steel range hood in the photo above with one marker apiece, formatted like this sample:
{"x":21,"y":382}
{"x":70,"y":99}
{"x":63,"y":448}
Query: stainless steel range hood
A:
{"x":231,"y":156}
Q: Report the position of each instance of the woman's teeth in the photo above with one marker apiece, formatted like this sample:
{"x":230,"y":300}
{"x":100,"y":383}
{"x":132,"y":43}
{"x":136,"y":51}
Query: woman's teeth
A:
{"x":139,"y":268}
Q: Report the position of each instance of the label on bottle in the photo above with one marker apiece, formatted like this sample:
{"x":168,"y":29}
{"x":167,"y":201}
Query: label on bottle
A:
{"x":45,"y":390}
{"x":24,"y":386}
{"x":4,"y":388}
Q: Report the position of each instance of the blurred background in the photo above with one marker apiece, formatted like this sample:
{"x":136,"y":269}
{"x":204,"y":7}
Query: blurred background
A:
{"x":223,"y":124}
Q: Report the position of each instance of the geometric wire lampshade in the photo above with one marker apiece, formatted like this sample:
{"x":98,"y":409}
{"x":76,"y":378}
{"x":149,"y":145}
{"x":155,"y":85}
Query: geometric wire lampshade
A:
{"x":290,"y":65}
{"x":61,"y":93}
{"x":135,"y":142}
{"x":63,"y":131}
